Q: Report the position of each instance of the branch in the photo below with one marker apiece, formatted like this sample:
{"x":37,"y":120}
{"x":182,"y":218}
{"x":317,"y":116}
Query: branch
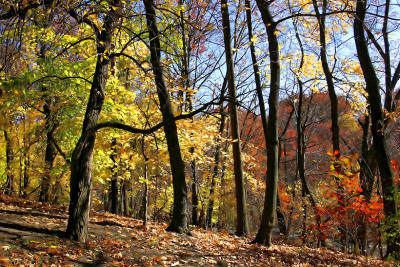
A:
{"x":396,"y":77}
{"x":121,"y":126}
{"x":71,"y":45}
{"x":60,"y":78}
{"x":59,"y":149}
{"x":312,"y":15}
{"x":150,"y":130}
{"x":85,"y":20}
{"x":130,"y":57}
{"x":287,"y":123}
{"x":375,"y":42}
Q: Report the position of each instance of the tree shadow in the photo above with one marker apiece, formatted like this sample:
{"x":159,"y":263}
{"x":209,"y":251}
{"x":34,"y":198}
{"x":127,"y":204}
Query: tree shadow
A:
{"x":26,"y":228}
{"x":34,"y":214}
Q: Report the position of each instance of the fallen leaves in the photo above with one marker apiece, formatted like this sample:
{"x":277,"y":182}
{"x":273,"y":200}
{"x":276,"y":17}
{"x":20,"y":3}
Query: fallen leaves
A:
{"x":123,"y":241}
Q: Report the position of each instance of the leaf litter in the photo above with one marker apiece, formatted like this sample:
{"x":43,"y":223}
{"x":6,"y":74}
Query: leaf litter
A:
{"x":31,"y":234}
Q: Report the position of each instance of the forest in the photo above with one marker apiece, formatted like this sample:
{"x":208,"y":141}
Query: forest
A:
{"x":268,"y":124}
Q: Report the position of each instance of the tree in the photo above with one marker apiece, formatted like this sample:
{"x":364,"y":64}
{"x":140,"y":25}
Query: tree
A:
{"x":378,"y":133}
{"x":242,"y":227}
{"x":179,"y":217}
{"x":81,"y":162}
{"x":264,"y":233}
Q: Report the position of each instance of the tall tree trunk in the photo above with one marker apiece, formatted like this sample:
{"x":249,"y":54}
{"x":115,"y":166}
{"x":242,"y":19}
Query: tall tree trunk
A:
{"x":264,"y":233}
{"x":9,"y":185}
{"x":51,"y":151}
{"x":189,"y":107}
{"x":26,"y":174}
{"x":368,"y":167}
{"x":377,"y":119}
{"x":145,"y":200}
{"x":195,"y":191}
{"x":125,"y":198}
{"x":334,"y":107}
{"x":242,"y":228}
{"x":114,"y":178}
{"x":81,"y":161}
{"x":179,"y":217}
{"x":301,"y":150}
{"x":256,"y":71}
{"x":217,"y":156}
{"x":328,"y":76}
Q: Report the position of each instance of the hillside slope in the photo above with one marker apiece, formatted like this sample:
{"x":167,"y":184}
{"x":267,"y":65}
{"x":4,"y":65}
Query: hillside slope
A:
{"x":32,"y":233}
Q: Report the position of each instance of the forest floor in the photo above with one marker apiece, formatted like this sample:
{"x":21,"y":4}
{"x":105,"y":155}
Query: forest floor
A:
{"x":31,"y":233}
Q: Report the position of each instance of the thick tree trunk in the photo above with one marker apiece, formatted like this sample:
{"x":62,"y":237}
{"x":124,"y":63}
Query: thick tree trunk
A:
{"x":242,"y":228}
{"x":264,"y":233}
{"x":81,"y":162}
{"x":377,"y":119}
{"x":9,"y":185}
{"x":179,"y":218}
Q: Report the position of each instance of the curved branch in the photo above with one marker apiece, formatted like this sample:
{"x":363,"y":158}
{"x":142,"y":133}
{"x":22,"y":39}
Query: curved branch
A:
{"x":71,"y":45}
{"x":131,"y":58}
{"x":122,"y":126}
{"x":85,"y":20}
{"x":60,"y":78}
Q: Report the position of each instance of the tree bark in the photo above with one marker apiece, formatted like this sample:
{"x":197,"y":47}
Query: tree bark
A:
{"x":264,"y":233}
{"x":9,"y":185}
{"x":145,"y":202}
{"x":377,"y":119}
{"x":195,"y":197}
{"x":301,"y":150}
{"x":179,"y":217}
{"x":256,"y":71}
{"x":51,"y":151}
{"x":114,"y":178}
{"x":242,"y":228}
{"x":334,"y":106}
{"x":26,"y":174}
{"x":81,"y":162}
{"x":217,"y":156}
{"x":368,"y":167}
